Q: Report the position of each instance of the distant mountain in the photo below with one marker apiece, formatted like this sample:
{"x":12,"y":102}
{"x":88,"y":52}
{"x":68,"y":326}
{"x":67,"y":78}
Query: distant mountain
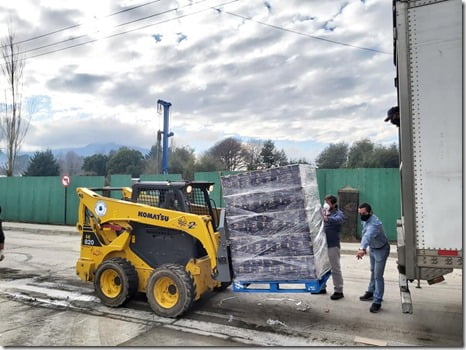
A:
{"x":96,"y":148}
{"x":85,"y":151}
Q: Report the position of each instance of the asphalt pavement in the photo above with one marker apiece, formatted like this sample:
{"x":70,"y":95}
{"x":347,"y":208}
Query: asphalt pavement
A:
{"x":347,"y":248}
{"x":58,"y":309}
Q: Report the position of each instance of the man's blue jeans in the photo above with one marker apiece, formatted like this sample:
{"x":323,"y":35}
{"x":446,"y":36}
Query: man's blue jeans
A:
{"x":378,"y":258}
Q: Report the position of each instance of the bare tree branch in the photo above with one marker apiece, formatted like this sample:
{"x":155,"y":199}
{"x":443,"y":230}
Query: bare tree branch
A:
{"x":14,"y":126}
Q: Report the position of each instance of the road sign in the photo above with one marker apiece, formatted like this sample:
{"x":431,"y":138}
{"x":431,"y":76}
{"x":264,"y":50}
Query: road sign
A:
{"x":65,"y":180}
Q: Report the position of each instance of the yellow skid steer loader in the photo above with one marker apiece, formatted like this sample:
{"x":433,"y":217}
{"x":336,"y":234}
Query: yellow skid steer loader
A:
{"x":159,"y":238}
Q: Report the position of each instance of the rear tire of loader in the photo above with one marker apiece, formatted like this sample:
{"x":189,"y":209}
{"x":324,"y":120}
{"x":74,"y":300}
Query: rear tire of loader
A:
{"x":170,"y":290}
{"x":115,"y":282}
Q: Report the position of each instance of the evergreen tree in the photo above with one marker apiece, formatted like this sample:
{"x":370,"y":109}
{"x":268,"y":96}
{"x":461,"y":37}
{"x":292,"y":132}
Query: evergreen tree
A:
{"x":271,"y":156}
{"x":43,"y":164}
{"x":96,"y":164}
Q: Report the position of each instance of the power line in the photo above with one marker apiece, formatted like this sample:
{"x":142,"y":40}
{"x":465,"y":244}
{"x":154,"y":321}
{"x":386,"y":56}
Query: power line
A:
{"x":80,"y":24}
{"x":168,"y":20}
{"x":300,"y":33}
{"x":91,"y":41}
{"x":132,"y":30}
{"x":84,"y":35}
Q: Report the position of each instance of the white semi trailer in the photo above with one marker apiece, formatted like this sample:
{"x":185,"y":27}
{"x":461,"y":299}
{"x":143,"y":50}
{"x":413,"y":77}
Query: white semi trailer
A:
{"x":428,"y":54}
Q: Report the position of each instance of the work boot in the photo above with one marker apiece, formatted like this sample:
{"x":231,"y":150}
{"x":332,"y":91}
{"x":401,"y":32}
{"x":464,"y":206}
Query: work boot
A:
{"x":375,"y":308}
{"x":368,"y":296}
{"x":1,"y":255}
{"x":323,"y":291}
{"x":336,"y":296}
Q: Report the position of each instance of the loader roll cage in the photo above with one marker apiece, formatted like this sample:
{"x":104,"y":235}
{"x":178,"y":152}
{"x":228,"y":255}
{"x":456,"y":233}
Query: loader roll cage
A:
{"x":184,"y":196}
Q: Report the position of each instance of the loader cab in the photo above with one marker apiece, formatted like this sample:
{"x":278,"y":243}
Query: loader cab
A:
{"x":185,"y":196}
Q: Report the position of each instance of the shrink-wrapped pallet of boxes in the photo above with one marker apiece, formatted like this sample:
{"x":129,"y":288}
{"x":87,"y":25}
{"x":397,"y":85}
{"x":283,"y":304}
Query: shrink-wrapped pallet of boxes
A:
{"x":274,"y":224}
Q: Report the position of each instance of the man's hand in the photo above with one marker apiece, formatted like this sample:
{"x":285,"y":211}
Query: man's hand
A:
{"x":360,"y":253}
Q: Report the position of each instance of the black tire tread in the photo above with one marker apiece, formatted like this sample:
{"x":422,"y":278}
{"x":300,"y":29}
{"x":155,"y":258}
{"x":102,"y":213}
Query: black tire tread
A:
{"x":188,"y":284}
{"x":130,"y":279}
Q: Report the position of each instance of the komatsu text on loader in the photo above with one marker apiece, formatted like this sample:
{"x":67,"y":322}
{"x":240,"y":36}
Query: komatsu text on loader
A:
{"x":159,"y":238}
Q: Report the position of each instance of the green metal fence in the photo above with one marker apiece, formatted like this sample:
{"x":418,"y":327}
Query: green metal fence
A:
{"x":378,"y":187}
{"x":42,"y":199}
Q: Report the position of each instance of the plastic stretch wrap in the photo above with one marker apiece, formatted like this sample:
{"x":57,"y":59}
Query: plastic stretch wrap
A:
{"x":274,"y":224}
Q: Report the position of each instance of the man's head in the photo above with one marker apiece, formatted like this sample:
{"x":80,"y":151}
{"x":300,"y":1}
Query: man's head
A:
{"x":393,"y":115}
{"x":365,"y":211}
{"x":331,"y":200}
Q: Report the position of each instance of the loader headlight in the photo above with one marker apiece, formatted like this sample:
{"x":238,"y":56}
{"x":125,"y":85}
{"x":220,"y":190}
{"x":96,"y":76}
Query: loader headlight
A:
{"x":211,"y":188}
{"x":189,"y":189}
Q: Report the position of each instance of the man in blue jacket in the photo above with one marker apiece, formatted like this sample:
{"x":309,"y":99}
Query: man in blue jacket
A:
{"x":374,"y":238}
{"x":333,"y":219}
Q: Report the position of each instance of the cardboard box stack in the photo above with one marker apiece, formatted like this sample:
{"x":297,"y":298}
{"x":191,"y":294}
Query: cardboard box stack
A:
{"x":274,"y":224}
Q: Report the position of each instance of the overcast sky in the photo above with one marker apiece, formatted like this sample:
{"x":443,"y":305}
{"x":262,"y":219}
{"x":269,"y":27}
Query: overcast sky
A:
{"x":303,"y":73}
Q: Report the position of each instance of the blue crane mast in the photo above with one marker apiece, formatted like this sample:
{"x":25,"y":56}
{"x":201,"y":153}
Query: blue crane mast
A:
{"x":166,"y":134}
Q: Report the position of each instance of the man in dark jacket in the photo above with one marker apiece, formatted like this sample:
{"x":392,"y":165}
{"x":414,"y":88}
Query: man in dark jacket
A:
{"x":333,"y":219}
{"x":2,"y":239}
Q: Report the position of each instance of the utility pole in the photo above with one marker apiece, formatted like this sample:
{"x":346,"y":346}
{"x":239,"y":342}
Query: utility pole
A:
{"x":165,"y":133}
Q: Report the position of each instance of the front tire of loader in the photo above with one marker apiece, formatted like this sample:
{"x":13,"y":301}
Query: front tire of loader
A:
{"x":170,"y":290}
{"x":223,"y":286}
{"x":115,"y":282}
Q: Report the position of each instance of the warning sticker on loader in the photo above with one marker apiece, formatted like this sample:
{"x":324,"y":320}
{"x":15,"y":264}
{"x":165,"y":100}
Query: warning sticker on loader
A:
{"x":184,"y":223}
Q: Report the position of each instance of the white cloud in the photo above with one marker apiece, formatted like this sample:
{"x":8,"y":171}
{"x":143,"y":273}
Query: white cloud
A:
{"x":224,"y":75}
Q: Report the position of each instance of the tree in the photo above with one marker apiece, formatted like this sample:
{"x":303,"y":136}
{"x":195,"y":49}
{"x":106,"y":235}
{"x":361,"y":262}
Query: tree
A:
{"x":96,"y":164}
{"x":71,"y":163}
{"x":360,"y":155}
{"x":126,"y":161}
{"x":299,"y":161}
{"x":181,"y":161}
{"x":230,"y":153}
{"x":208,"y":163}
{"x":386,"y":157}
{"x":271,"y":156}
{"x":153,"y":160}
{"x":280,"y":158}
{"x":267,"y":153}
{"x":21,"y":164}
{"x":252,"y":154}
{"x":14,"y":125}
{"x":43,"y":164}
{"x":333,"y":156}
